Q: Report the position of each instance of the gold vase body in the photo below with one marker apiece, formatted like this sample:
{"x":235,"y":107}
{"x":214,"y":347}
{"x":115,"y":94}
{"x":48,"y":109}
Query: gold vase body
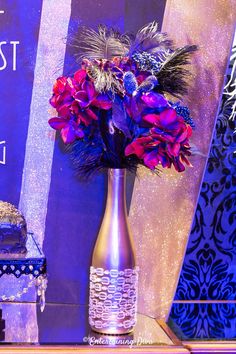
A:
{"x":113,"y":273}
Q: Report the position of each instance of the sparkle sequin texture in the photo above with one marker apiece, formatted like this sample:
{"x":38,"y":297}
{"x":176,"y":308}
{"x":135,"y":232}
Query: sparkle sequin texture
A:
{"x":162,"y":208}
{"x":40,"y":140}
{"x":38,"y":157}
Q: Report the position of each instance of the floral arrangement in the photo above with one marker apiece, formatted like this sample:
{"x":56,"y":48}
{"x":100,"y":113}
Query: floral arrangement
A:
{"x":113,"y":112}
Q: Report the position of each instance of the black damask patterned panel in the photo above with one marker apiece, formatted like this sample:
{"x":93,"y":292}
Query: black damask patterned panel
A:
{"x":209,"y":268}
{"x":203,"y":321}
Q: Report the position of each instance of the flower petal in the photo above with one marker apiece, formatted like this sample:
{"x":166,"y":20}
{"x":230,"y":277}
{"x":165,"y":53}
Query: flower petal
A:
{"x":185,"y":160}
{"x":64,"y":110}
{"x":80,"y":75}
{"x":162,"y":135}
{"x":134,"y":109}
{"x":173,"y":149}
{"x":154,"y":100}
{"x":58,"y":123}
{"x":102,"y":101}
{"x":168,"y":117}
{"x":178,"y":165}
{"x":87,"y":116}
{"x":151,"y":118}
{"x":91,"y":114}
{"x":68,"y":134}
{"x":82,"y":98}
{"x":53,"y":101}
{"x":134,"y":148}
{"x":89,"y":88}
{"x":59,"y":85}
{"x":151,"y":159}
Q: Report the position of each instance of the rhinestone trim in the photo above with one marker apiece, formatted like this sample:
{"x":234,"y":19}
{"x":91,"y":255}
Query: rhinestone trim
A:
{"x":113,"y":298}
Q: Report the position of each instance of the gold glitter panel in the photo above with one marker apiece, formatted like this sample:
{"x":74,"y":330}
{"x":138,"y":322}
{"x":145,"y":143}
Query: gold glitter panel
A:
{"x":162,"y":207}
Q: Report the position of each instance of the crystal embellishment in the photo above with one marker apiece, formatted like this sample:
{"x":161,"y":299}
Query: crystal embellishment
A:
{"x":113,"y":298}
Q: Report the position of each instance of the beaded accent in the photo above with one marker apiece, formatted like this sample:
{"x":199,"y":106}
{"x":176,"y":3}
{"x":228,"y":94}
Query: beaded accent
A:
{"x":184,"y":112}
{"x":41,"y":286}
{"x":113,"y":298}
{"x":147,"y":62}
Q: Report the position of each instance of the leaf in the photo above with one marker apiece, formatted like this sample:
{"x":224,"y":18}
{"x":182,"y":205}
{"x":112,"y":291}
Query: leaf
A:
{"x":119,"y":116}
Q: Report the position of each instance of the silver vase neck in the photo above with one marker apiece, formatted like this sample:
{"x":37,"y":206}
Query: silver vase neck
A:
{"x":117,"y":172}
{"x":116,"y":194}
{"x":114,"y":245}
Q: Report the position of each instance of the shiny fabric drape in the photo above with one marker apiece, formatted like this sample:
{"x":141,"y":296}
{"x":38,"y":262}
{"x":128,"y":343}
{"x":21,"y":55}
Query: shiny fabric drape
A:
{"x":162,"y":208}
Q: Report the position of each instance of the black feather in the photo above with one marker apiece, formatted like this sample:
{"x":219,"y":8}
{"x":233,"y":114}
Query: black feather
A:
{"x":102,"y":150}
{"x":172,"y":75}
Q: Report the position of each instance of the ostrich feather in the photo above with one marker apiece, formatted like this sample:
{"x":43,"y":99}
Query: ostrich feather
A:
{"x":172,"y":75}
{"x":106,"y":43}
{"x":148,"y":39}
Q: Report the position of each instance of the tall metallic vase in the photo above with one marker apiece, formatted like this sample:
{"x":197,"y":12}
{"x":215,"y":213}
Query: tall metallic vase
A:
{"x":113,"y":274}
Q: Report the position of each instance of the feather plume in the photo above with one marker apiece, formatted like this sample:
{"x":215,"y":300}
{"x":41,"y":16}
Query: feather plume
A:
{"x":104,"y":44}
{"x":104,"y":142}
{"x":105,"y":80}
{"x":101,"y":150}
{"x":172,"y":76}
{"x":86,"y":156}
{"x":148,"y":39}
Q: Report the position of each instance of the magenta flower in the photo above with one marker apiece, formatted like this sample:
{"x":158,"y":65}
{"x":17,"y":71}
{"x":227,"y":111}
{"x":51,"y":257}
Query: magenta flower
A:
{"x":69,"y":129}
{"x":76,"y":102}
{"x":86,"y":99}
{"x":62,"y":98}
{"x":166,"y":142}
{"x":137,"y":104}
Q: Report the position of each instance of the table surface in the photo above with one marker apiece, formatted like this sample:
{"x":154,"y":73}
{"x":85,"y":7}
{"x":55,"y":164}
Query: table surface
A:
{"x":63,"y":328}
{"x":67,"y":324}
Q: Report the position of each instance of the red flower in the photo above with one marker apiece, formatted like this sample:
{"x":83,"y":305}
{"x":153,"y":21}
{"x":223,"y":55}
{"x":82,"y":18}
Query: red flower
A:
{"x":80,"y":75}
{"x":165,"y":144}
{"x":63,"y":91}
{"x":76,"y":102}
{"x":86,"y":98}
{"x":137,"y":104}
{"x":69,"y":129}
